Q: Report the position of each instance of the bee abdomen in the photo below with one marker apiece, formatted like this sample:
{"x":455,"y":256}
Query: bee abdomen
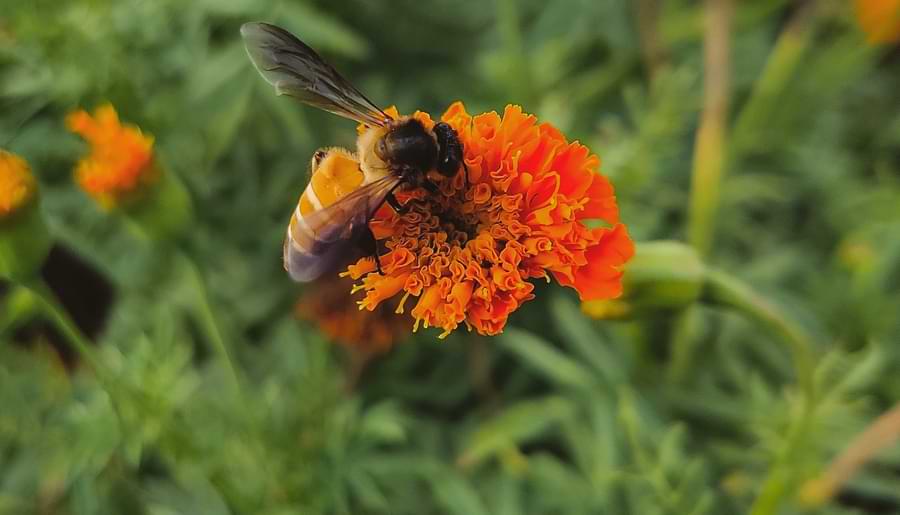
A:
{"x":333,"y":177}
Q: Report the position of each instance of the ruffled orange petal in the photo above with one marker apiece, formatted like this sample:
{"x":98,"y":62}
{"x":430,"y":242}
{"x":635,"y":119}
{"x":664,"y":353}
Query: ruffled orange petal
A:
{"x":601,"y":276}
{"x":120,"y":164}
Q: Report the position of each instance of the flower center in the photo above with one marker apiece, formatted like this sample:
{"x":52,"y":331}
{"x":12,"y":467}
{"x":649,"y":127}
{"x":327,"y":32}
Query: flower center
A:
{"x":450,"y":212}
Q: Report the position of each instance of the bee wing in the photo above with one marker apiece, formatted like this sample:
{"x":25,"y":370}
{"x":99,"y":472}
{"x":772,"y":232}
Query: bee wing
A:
{"x":328,"y":238}
{"x":296,"y":70}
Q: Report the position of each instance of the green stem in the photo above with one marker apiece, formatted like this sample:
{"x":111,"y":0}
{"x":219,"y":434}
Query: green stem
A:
{"x":727,"y":291}
{"x":208,"y":320}
{"x":53,"y":309}
{"x":652,"y":49}
{"x":709,"y":146}
{"x":684,"y":344}
{"x":204,"y":310}
{"x":780,"y":68}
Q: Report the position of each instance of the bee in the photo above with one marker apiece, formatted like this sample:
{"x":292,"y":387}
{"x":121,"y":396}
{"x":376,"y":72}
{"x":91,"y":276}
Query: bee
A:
{"x":345,"y":190}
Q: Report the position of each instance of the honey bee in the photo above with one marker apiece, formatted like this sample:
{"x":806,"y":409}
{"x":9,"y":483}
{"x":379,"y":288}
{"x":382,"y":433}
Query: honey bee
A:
{"x":345,"y":190}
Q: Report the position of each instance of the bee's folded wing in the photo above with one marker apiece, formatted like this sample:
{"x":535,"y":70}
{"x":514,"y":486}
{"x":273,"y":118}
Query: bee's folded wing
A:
{"x":328,"y":238}
{"x":297,"y":70}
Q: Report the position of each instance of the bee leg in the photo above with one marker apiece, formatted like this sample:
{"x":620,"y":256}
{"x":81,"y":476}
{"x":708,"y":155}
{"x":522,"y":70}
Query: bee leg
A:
{"x":396,"y":205}
{"x":430,"y":186}
{"x":466,"y":170}
{"x":369,"y":245}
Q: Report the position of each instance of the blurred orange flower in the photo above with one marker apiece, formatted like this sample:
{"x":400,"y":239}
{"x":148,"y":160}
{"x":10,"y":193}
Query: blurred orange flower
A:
{"x":880,"y":20}
{"x":120,"y":164}
{"x":17,"y":185}
{"x":467,"y":253}
{"x":330,"y":306}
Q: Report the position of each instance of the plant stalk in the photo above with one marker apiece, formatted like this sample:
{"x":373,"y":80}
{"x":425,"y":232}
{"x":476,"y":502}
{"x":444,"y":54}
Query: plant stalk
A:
{"x":209,"y":322}
{"x":709,"y":146}
{"x":51,"y":307}
{"x":724,"y":290}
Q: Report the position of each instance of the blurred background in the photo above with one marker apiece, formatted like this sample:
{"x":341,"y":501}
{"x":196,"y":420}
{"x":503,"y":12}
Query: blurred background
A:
{"x":764,"y":133}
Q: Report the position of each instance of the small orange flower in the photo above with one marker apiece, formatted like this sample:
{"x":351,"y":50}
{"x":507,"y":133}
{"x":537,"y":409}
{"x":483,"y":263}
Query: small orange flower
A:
{"x":469,"y":252}
{"x":120,"y":164}
{"x":880,"y":20}
{"x":17,"y":185}
{"x":329,"y":304}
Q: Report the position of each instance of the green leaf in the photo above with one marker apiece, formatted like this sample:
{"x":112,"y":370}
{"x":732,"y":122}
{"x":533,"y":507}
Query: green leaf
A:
{"x":585,"y":342}
{"x":546,"y":360}
{"x":455,"y":494}
{"x":514,"y":425}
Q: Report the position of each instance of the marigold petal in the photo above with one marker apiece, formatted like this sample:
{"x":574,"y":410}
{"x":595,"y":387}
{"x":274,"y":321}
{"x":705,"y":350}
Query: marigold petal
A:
{"x":600,"y":277}
{"x":120,"y":163}
{"x":880,"y":20}
{"x":576,"y":167}
{"x":330,"y":306}
{"x":360,"y":268}
{"x":379,"y":288}
{"x":601,"y":201}
{"x":17,"y":184}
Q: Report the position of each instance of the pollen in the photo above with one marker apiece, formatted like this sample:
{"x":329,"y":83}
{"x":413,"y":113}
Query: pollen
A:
{"x":119,"y":166}
{"x":17,"y":185}
{"x":527,"y":210}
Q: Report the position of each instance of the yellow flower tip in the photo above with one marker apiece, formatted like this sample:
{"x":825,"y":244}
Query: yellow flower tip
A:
{"x":17,"y":184}
{"x":606,"y":309}
{"x":470,"y":254}
{"x":120,"y":164}
{"x":402,"y":305}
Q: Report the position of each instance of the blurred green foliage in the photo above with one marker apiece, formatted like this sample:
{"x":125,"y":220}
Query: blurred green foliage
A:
{"x":559,"y":414}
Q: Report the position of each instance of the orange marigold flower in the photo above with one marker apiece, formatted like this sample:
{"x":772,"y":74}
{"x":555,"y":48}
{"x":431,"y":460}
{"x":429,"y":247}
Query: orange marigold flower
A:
{"x":330,"y":306}
{"x":469,"y":252}
{"x":17,"y":185}
{"x":120,"y":164}
{"x":880,"y":20}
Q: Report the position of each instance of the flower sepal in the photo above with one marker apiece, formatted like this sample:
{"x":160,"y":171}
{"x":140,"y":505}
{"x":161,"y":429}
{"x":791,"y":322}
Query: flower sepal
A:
{"x":662,"y":276}
{"x":123,"y":172}
{"x":164,"y":209}
{"x":24,"y":243}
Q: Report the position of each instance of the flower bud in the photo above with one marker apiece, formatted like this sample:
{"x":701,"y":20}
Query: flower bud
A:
{"x":165,"y":210}
{"x":663,"y":275}
{"x":122,"y":172}
{"x":24,"y":238}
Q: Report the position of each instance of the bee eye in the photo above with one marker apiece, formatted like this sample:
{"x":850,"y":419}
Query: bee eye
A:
{"x":318,"y":156}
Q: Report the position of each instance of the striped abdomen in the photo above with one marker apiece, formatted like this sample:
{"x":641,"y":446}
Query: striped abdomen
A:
{"x":333,"y":177}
